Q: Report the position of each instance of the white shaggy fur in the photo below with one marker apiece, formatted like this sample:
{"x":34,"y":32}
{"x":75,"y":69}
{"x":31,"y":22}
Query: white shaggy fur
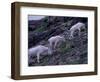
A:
{"x":75,"y":27}
{"x":37,"y":51}
{"x":55,"y":40}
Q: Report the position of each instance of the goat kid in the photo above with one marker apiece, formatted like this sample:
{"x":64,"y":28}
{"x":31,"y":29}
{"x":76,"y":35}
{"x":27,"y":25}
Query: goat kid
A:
{"x":55,"y":41}
{"x":37,"y":51}
{"x":78,"y":26}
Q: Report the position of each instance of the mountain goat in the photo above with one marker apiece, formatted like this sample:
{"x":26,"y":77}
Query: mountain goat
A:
{"x":55,"y":40}
{"x":78,"y":26}
{"x":37,"y":51}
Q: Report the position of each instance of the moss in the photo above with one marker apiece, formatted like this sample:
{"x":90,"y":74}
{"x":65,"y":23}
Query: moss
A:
{"x":40,"y":29}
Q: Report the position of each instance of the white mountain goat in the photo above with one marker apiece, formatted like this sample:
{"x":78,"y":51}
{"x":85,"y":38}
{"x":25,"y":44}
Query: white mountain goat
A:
{"x":37,"y":51}
{"x":55,"y":41}
{"x":78,"y":26}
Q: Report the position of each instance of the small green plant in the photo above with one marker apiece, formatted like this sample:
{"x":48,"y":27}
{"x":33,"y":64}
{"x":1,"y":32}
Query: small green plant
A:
{"x":64,"y":48}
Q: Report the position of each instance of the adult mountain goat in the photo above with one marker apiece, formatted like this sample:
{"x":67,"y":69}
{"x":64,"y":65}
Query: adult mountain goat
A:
{"x":37,"y":51}
{"x":78,"y":26}
{"x":55,"y":41}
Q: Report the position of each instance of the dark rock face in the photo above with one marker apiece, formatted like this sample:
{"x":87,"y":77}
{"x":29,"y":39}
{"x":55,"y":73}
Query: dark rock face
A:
{"x":75,"y":51}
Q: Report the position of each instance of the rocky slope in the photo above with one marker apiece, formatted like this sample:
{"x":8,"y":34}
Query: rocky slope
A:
{"x":41,"y":30}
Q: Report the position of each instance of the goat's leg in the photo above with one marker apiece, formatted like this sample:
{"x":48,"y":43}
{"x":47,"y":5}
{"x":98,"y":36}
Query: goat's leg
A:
{"x":50,"y":48}
{"x":59,"y":44}
{"x":55,"y":45}
{"x":83,"y":27}
{"x":79,"y":32}
{"x":80,"y":37}
{"x":38,"y":57}
{"x":71,"y":35}
{"x":50,"y":45}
